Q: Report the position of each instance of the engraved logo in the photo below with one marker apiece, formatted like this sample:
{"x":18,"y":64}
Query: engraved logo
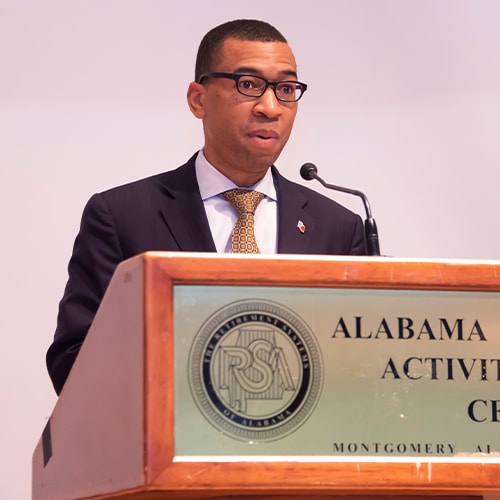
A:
{"x":255,"y":370}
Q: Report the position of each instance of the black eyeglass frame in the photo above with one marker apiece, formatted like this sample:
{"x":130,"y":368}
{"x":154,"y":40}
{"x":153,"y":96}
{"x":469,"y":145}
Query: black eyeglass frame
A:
{"x":236,"y":77}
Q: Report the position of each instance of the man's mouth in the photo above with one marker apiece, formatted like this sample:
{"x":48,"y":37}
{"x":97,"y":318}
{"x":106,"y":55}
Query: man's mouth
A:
{"x":264,"y":134}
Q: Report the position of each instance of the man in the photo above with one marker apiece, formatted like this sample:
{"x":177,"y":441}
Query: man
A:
{"x":246,"y":93}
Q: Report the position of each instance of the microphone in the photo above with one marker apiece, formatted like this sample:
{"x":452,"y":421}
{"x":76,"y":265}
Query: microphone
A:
{"x":308,"y":171}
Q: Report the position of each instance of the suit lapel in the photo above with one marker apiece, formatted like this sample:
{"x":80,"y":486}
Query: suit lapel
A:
{"x":182,"y":210}
{"x":183,"y":215}
{"x":295,"y":225}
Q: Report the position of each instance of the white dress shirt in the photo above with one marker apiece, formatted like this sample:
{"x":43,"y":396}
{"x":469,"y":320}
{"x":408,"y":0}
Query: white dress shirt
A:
{"x":222,"y":216}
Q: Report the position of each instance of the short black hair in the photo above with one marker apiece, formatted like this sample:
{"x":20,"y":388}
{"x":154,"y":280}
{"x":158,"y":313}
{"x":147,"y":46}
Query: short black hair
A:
{"x":252,"y":30}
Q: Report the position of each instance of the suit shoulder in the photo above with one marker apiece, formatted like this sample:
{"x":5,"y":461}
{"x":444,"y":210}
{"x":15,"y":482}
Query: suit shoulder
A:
{"x":312,"y":198}
{"x":160,"y":182}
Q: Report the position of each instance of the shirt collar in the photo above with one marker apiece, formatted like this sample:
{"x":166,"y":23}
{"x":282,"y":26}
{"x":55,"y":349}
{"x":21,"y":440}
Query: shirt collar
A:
{"x":211,"y":182}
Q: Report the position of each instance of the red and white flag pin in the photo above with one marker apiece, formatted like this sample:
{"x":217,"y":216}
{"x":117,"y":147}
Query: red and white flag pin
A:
{"x":301,"y":226}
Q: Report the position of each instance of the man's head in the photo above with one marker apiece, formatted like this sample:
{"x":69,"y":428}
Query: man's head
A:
{"x":250,"y":30}
{"x":246,"y":120}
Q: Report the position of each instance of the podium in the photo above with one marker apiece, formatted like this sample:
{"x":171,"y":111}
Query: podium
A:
{"x":234,"y":377}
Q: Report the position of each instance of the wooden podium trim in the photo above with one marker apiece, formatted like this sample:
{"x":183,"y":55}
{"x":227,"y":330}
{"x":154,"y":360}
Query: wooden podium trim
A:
{"x":328,"y":272}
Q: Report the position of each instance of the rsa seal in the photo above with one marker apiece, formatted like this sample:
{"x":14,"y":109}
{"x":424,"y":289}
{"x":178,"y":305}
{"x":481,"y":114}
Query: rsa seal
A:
{"x":255,"y":370}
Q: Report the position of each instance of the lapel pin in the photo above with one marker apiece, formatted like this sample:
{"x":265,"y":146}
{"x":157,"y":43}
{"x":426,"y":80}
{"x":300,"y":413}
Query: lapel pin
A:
{"x":301,"y":226}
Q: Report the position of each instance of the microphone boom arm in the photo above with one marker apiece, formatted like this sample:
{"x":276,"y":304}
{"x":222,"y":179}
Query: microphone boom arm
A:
{"x":308,"y":171}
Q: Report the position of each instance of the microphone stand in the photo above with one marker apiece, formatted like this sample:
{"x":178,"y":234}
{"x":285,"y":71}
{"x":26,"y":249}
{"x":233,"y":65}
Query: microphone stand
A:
{"x":308,"y":171}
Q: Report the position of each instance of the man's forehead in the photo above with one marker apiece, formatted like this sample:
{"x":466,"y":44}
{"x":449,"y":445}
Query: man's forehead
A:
{"x":259,"y":55}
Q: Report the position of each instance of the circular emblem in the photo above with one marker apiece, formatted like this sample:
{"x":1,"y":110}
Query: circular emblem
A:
{"x":255,"y":370}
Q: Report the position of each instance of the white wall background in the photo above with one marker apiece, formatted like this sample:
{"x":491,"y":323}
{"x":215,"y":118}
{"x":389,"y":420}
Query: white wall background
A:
{"x":404,"y":104}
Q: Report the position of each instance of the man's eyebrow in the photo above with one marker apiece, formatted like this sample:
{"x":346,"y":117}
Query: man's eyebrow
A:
{"x":253,"y":71}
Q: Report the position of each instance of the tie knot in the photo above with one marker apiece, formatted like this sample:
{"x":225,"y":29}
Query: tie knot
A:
{"x":243,"y":200}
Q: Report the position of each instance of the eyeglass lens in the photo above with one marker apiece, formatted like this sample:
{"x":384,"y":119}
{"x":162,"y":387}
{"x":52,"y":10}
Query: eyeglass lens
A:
{"x":254,"y":86}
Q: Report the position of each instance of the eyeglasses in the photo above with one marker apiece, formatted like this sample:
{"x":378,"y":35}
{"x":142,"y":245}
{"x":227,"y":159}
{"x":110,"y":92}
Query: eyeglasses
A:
{"x":255,"y":86}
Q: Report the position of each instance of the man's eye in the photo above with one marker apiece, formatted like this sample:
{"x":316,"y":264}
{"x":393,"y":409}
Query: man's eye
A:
{"x":248,"y":84}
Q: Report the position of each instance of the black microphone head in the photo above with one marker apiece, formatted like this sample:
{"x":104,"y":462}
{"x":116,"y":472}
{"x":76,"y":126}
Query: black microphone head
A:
{"x":308,"y":171}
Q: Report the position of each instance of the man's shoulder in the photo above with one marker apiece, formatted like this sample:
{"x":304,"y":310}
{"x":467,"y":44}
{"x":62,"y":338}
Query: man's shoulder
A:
{"x":293,"y":190}
{"x":177,"y":177}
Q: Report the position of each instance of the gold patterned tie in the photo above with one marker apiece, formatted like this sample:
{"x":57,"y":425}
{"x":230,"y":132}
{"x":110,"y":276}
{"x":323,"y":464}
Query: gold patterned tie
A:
{"x":245,"y":202}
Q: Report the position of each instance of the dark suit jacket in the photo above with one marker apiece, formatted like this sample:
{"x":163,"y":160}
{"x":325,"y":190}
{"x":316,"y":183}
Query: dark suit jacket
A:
{"x":166,"y":212}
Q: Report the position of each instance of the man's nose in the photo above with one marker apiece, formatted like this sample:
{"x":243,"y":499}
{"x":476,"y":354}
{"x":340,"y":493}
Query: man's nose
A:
{"x":268,"y":104}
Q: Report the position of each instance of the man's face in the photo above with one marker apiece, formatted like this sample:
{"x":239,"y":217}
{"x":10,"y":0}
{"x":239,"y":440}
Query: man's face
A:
{"x":245,"y":135}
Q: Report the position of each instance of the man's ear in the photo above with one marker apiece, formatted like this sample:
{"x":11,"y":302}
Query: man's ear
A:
{"x":196,"y":99}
